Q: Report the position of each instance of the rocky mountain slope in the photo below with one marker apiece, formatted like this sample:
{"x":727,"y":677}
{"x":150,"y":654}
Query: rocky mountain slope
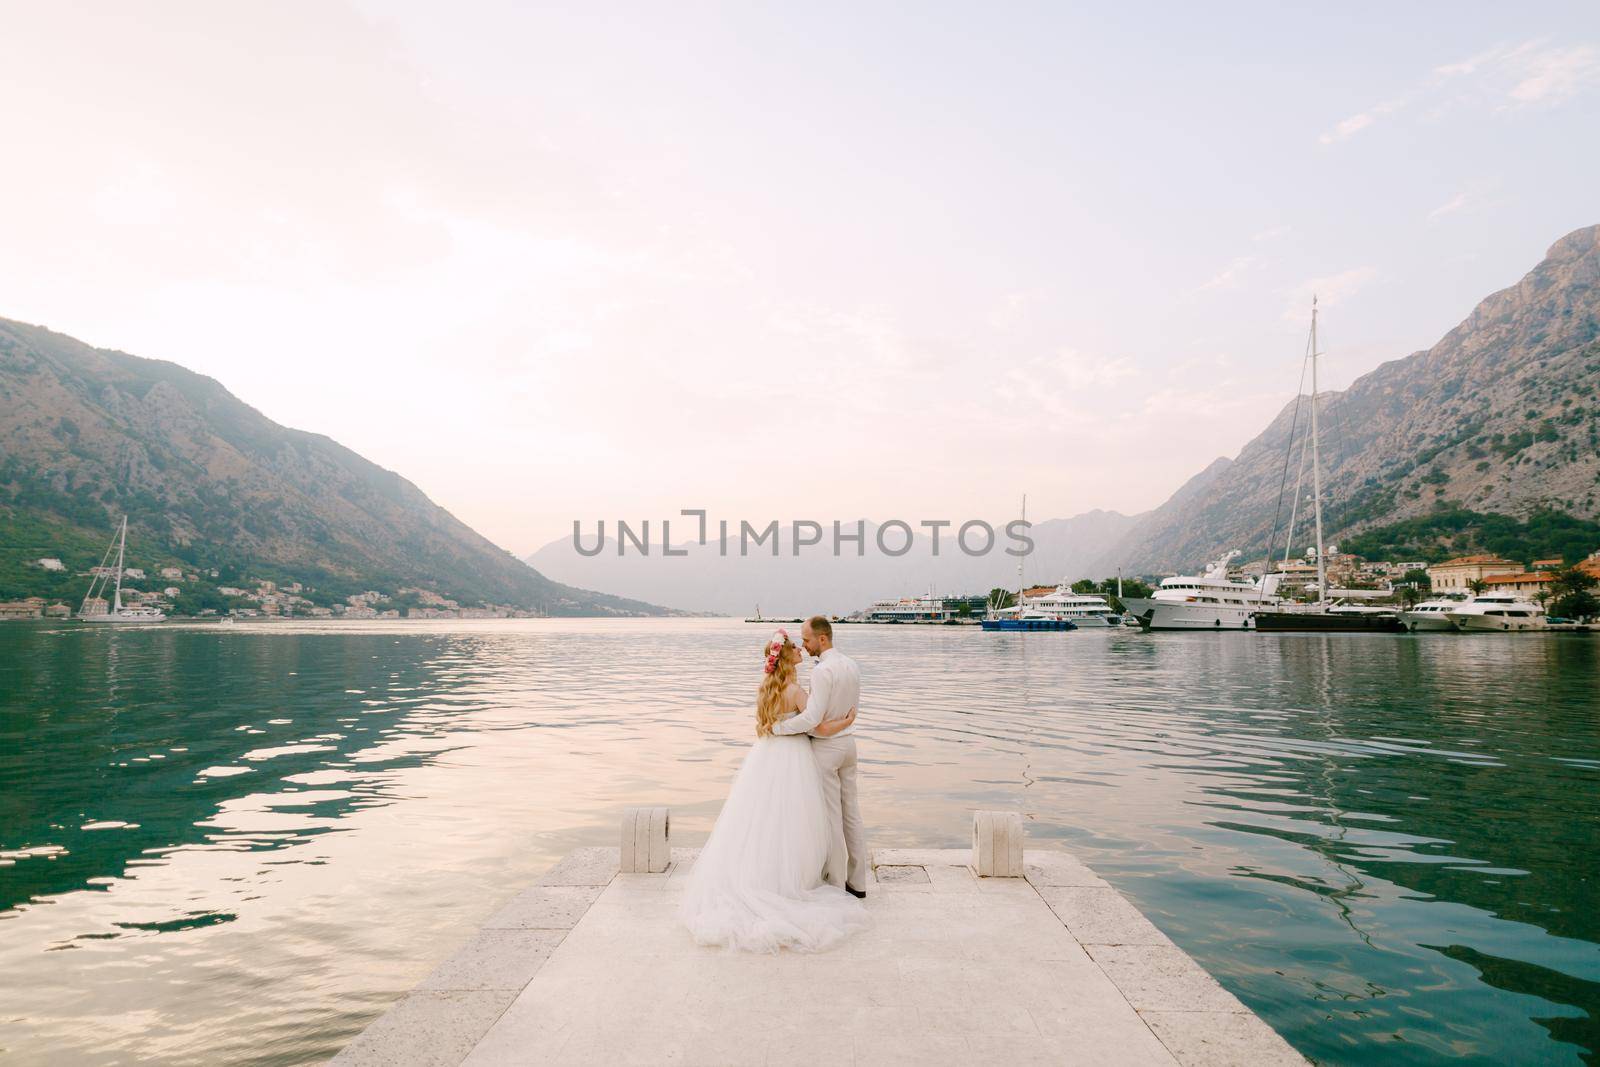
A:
{"x":1502,"y":415}
{"x":88,"y":434}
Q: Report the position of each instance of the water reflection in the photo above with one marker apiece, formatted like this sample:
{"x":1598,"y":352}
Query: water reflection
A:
{"x":241,"y":844}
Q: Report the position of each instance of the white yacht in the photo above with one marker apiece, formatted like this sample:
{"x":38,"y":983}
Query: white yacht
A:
{"x":1496,"y":612}
{"x":1209,"y":601}
{"x":94,"y":607}
{"x":1085,"y":609}
{"x":1431,"y":614}
{"x":927,"y":608}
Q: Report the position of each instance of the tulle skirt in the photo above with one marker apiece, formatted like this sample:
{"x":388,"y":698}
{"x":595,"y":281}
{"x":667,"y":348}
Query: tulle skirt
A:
{"x":757,"y":886}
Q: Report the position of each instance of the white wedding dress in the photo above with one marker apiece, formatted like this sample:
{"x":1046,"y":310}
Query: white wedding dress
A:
{"x":757,"y":886}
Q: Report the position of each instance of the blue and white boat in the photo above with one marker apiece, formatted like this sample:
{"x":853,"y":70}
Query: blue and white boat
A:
{"x":1010,"y":619}
{"x":1023,"y":616}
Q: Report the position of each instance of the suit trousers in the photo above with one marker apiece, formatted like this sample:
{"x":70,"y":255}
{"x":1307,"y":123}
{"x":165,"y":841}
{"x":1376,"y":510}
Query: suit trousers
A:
{"x":847,"y":855}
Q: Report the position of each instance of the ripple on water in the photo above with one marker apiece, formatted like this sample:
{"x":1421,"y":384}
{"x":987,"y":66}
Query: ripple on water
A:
{"x":1379,"y":844}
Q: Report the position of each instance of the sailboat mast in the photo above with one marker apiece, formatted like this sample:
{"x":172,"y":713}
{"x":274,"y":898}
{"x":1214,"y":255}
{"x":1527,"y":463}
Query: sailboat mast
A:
{"x":1316,"y":466}
{"x":1020,"y":585}
{"x":122,"y":544}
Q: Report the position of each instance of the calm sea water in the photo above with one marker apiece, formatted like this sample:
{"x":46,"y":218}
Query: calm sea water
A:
{"x":238,"y":845}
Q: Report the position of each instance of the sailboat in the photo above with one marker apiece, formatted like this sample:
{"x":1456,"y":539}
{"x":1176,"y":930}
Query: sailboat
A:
{"x":94,"y":608}
{"x":1323,"y":616}
{"x":1020,"y":617}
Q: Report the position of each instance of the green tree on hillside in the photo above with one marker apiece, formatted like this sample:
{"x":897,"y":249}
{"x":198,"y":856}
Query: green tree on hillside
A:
{"x":1571,"y":587}
{"x":1454,"y":531}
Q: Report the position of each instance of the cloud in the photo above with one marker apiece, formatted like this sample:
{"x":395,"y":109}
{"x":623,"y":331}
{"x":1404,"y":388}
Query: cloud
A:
{"x":1556,"y":75}
{"x":1272,"y":233}
{"x":1473,"y":198}
{"x":1228,"y":277}
{"x":1330,"y":291}
{"x":1068,"y":384}
{"x":1505,"y":78}
{"x":1347,"y":128}
{"x":1451,"y":206}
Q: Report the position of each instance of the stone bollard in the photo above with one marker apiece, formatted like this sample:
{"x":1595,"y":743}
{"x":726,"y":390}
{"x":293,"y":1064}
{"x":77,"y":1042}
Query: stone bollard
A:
{"x":645,"y":833}
{"x":997,"y":844}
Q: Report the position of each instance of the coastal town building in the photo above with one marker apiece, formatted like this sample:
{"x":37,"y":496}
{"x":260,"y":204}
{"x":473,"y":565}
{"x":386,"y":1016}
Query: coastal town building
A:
{"x":1457,"y":575}
{"x":50,"y":563}
{"x":1529,"y":585}
{"x":1537,"y":581}
{"x":30,"y":608}
{"x":172,"y":573}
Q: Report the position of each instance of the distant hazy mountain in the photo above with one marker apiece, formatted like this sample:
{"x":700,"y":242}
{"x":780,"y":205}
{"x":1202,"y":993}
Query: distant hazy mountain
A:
{"x":88,"y":434}
{"x":1502,"y":415}
{"x":816,"y":580}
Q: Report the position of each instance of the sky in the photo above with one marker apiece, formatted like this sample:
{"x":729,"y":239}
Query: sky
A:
{"x":821,"y":261}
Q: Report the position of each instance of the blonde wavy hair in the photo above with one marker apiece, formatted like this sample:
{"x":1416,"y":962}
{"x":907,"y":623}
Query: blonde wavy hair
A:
{"x":774,"y":683}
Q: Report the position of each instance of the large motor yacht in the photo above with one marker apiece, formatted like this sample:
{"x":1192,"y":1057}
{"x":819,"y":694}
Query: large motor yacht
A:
{"x":1431,"y":615}
{"x":1209,"y":601}
{"x":1084,"y":609}
{"x":1497,"y":612}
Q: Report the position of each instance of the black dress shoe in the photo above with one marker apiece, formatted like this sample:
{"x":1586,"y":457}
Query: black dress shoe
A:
{"x":860,"y":894}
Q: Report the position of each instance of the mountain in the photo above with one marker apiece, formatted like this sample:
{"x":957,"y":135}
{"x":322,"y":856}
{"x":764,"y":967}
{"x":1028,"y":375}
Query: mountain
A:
{"x":1501,"y":416}
{"x":88,"y":434}
{"x":818,"y":581}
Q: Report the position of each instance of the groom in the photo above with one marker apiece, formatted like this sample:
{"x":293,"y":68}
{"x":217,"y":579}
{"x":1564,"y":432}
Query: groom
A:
{"x":835,"y":689}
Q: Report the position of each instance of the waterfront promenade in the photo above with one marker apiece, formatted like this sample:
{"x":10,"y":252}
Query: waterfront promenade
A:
{"x":589,"y":966}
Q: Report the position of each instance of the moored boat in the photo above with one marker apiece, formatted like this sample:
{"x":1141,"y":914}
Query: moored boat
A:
{"x":1431,"y":615}
{"x":1022,"y":616}
{"x":1335,"y":618}
{"x":1323,"y":616}
{"x":1208,"y":601}
{"x":1082,"y":609}
{"x":94,"y":607}
{"x":1497,"y":613}
{"x":1026,"y":621}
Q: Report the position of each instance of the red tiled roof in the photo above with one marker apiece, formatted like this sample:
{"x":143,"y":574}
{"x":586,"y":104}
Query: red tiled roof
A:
{"x":1518,"y":579}
{"x":1487,"y":558}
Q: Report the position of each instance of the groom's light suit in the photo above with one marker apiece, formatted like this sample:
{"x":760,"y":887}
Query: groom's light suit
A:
{"x":835,"y":689}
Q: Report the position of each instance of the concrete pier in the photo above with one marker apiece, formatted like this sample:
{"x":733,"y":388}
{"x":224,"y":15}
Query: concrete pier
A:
{"x":589,"y":966}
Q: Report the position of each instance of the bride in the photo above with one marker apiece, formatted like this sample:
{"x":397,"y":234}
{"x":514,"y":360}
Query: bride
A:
{"x":757,"y":885}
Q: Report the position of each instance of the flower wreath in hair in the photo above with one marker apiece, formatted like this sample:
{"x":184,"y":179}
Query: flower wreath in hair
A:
{"x":775,"y":649}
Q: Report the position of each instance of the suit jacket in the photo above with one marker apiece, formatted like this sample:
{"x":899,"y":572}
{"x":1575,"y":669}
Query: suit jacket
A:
{"x":835,"y":689}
